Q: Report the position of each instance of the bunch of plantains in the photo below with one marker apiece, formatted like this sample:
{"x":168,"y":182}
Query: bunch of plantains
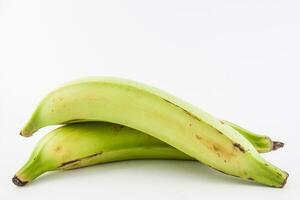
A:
{"x":112,"y":119}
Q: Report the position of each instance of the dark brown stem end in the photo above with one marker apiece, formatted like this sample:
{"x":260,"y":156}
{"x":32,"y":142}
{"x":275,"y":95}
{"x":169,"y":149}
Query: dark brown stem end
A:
{"x":18,"y":182}
{"x":277,"y":145}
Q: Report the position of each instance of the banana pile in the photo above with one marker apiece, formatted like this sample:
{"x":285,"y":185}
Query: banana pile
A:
{"x":112,"y":119}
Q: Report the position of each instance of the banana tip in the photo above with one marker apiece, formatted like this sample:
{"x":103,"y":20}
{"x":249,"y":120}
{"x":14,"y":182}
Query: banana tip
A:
{"x":285,"y":180}
{"x":277,"y":145}
{"x":24,"y":134}
{"x":18,"y":182}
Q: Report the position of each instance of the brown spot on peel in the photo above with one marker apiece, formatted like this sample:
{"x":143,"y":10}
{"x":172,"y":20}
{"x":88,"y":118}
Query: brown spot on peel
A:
{"x":190,"y":114}
{"x":58,"y":148}
{"x":118,"y":128}
{"x":168,"y":101}
{"x":69,"y":162}
{"x":236,"y":145}
{"x":198,"y":137}
{"x":80,"y":159}
{"x":216,"y":148}
{"x":187,"y":112}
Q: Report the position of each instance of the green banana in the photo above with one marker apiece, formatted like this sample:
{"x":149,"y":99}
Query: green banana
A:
{"x":261,"y":143}
{"x":84,"y":144}
{"x":165,"y":117}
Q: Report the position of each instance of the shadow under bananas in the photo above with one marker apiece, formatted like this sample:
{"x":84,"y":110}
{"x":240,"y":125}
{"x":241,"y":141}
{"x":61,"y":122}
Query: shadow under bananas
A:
{"x":182,"y":170}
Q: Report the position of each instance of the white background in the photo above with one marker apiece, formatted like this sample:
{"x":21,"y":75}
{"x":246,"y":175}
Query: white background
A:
{"x":238,"y":60}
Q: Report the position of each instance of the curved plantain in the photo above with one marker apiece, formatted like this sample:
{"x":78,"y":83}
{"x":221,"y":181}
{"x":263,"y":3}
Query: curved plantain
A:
{"x":84,"y":144}
{"x":165,"y":117}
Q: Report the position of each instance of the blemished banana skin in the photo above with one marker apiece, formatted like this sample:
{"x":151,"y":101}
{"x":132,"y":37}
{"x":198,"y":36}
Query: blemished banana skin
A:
{"x":161,"y":115}
{"x":89,"y":143}
{"x":85,"y":144}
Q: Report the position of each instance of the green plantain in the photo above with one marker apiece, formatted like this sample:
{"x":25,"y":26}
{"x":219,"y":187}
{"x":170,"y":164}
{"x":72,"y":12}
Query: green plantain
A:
{"x":261,"y":143}
{"x":84,"y":144}
{"x":165,"y":117}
